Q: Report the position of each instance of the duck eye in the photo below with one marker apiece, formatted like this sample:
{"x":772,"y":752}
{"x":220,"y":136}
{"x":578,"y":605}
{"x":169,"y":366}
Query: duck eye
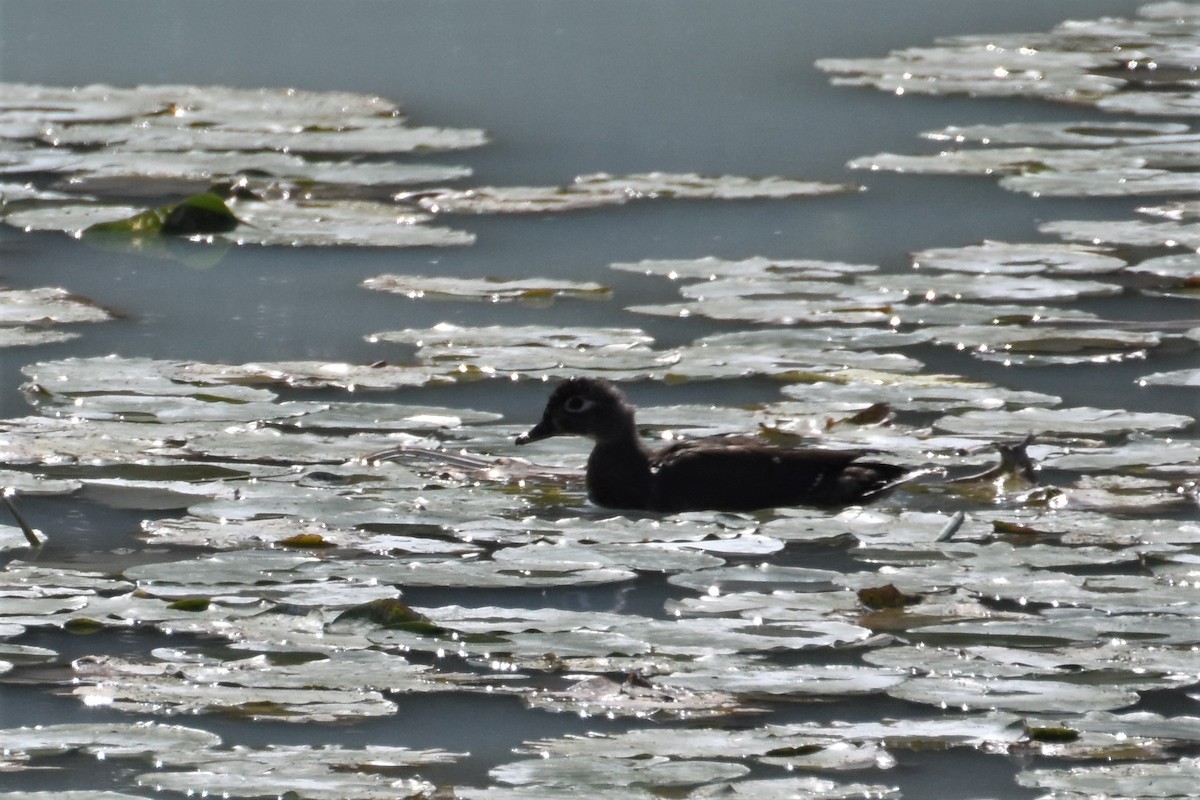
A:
{"x":577,"y":404}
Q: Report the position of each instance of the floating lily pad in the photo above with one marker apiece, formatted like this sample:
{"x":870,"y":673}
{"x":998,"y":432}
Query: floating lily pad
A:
{"x":1047,"y":344}
{"x":1179,"y":377}
{"x":31,"y":337}
{"x":1139,"y":233}
{"x":1091,"y":133}
{"x":1012,"y":694}
{"x":711,"y":268}
{"x":302,"y":223}
{"x":590,"y":771}
{"x":305,"y":374}
{"x":494,"y":290}
{"x":182,"y":118}
{"x":1180,"y":267}
{"x":109,"y":140}
{"x":251,"y":688}
{"x":1019,"y":259}
{"x":591,"y":191}
{"x":13,"y":192}
{"x":40,"y":306}
{"x":325,"y":773}
{"x":107,"y":740}
{"x":636,"y":697}
{"x":101,"y":171}
{"x":1062,"y":421}
{"x":381,"y":133}
{"x":320,"y":223}
{"x":1171,"y":779}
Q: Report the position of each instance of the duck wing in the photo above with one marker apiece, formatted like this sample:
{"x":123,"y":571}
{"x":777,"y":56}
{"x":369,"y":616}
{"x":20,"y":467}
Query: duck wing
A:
{"x":744,"y":474}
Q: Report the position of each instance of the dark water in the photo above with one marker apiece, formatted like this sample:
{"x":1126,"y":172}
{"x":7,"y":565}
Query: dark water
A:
{"x":564,"y":87}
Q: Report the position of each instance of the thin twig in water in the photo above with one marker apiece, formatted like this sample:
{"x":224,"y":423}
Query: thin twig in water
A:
{"x":30,"y":535}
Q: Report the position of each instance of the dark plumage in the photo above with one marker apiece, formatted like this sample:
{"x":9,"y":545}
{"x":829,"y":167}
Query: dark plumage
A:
{"x":709,"y":474}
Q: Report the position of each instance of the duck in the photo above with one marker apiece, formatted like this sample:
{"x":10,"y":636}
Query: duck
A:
{"x":711,"y":474}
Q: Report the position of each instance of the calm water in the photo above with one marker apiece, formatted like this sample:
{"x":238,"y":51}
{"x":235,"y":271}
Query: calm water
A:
{"x":564,"y":88}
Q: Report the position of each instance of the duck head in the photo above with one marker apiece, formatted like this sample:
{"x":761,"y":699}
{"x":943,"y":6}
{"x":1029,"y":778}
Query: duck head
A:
{"x":584,"y":407}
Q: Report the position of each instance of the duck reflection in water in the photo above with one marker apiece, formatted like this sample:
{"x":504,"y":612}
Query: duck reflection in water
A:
{"x":715,"y":474}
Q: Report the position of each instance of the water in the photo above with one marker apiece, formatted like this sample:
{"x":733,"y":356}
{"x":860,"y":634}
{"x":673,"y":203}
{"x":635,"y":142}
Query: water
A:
{"x":564,"y":88}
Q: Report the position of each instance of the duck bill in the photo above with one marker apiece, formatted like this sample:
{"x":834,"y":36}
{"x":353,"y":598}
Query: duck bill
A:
{"x":543,"y":430}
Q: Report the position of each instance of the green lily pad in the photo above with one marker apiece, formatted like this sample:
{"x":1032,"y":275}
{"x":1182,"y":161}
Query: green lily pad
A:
{"x":197,"y":215}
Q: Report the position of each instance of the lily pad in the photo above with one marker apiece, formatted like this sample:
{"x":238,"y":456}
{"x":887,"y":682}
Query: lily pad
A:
{"x":1171,"y":779}
{"x":712,"y":268}
{"x":293,"y":223}
{"x":1078,"y":421}
{"x":590,"y":771}
{"x":136,"y":171}
{"x":41,"y":306}
{"x":1012,"y":694}
{"x":1179,"y":377}
{"x":636,"y":697}
{"x":1048,"y":344}
{"x":197,"y":215}
{"x":251,"y":687}
{"x":32,"y":337}
{"x":534,"y":290}
{"x":320,"y":773}
{"x":601,"y":189}
{"x":1091,"y":133}
{"x":992,"y":257}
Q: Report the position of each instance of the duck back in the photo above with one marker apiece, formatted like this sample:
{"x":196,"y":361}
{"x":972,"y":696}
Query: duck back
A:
{"x":744,"y":477}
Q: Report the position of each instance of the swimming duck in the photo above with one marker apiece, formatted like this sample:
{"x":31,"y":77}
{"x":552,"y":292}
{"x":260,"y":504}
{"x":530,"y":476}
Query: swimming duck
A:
{"x":715,"y":474}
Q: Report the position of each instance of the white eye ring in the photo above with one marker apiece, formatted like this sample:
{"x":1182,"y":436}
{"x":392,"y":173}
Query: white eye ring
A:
{"x":577,"y":404}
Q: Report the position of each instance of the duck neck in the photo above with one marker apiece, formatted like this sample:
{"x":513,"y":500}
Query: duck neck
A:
{"x":618,"y":471}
